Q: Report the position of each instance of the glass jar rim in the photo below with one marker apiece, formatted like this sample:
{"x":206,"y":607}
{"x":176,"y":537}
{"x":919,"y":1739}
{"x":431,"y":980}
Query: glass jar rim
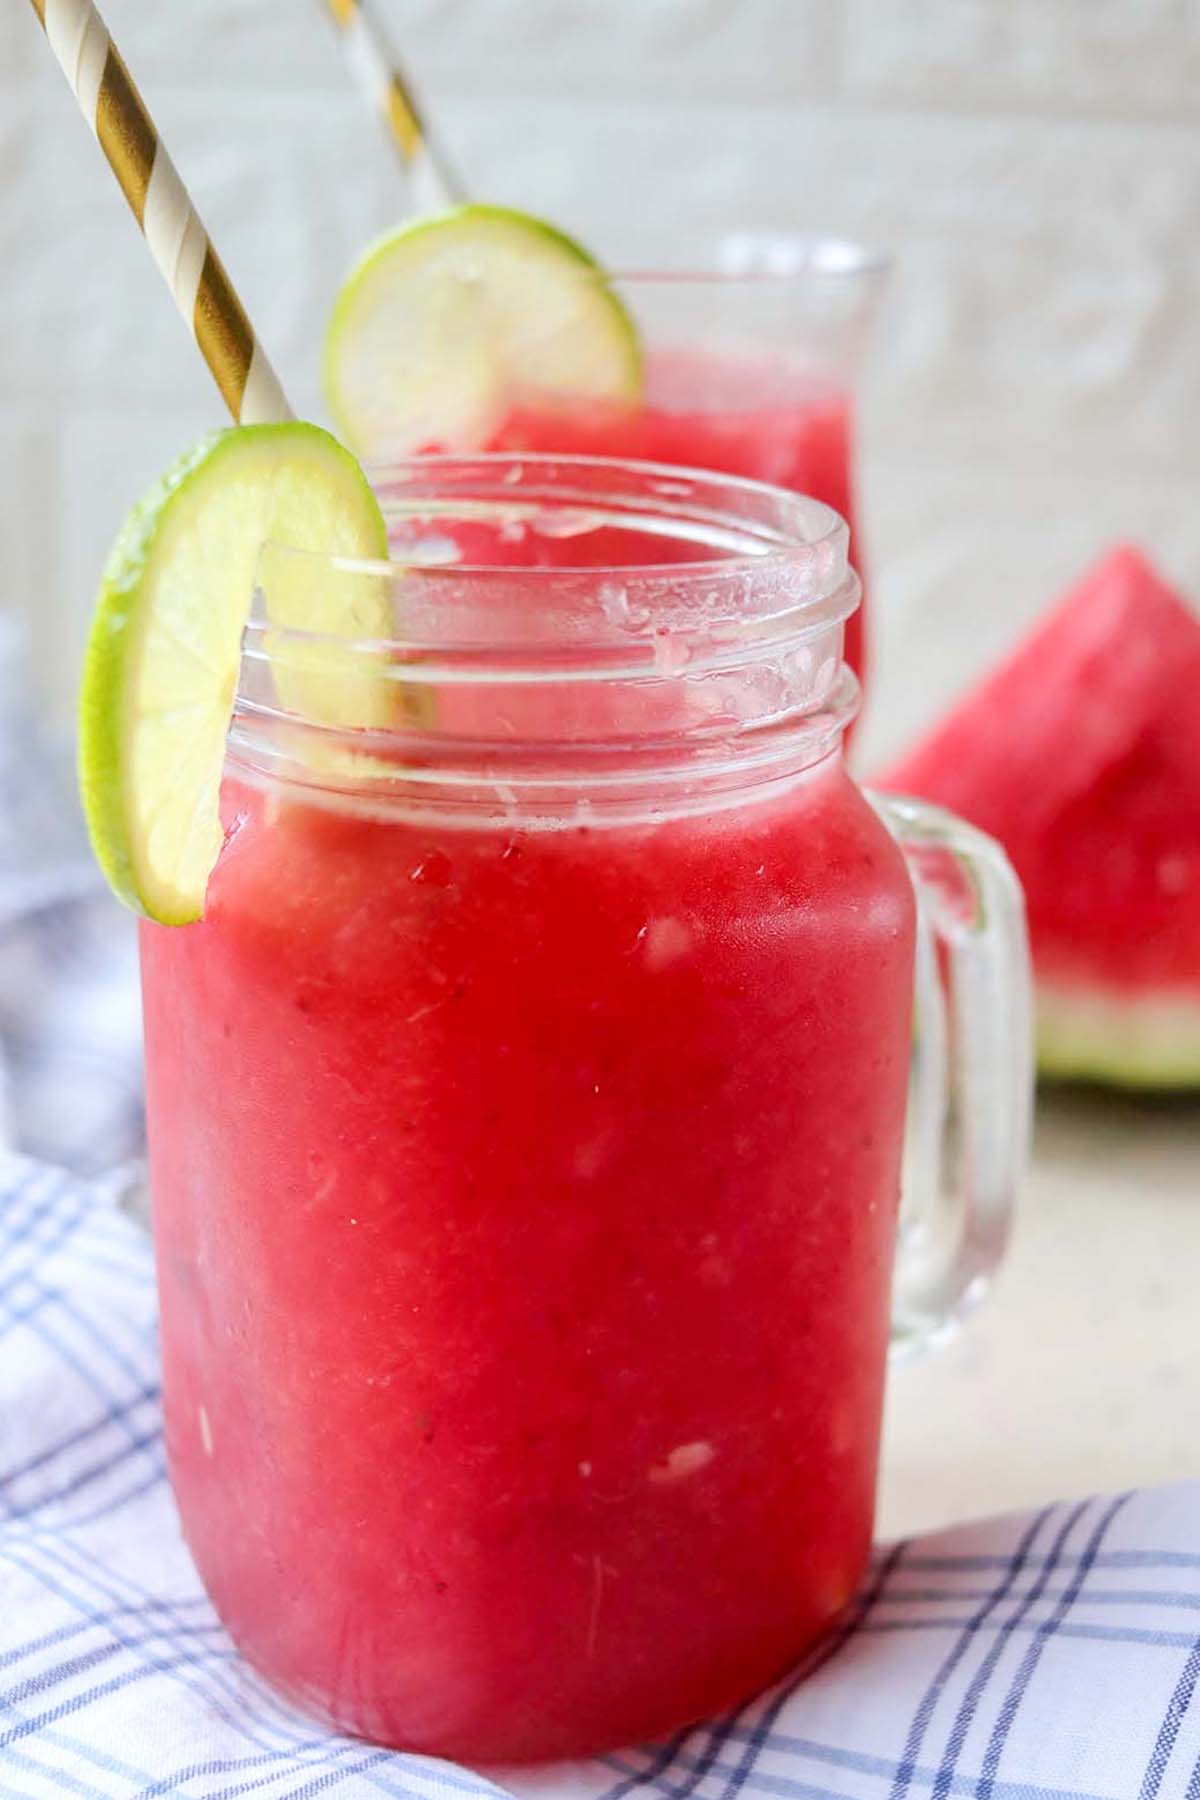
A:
{"x":718,"y":668}
{"x":782,"y":565}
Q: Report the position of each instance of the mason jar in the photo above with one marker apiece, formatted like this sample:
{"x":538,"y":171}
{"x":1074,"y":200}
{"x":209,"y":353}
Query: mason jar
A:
{"x":527,"y":1114}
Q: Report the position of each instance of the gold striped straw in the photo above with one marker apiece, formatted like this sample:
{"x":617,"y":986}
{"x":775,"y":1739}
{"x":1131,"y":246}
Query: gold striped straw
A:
{"x":388,"y":91}
{"x":159,"y":202}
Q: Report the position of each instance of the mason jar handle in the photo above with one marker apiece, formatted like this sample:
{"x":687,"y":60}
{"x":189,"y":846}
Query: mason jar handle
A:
{"x":971,"y":1082}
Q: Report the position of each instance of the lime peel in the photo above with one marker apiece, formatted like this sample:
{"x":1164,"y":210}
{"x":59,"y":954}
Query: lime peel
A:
{"x":446,"y":322}
{"x":161,"y":668}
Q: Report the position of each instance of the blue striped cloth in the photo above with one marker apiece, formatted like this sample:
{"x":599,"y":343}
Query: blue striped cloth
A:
{"x":1053,"y":1656}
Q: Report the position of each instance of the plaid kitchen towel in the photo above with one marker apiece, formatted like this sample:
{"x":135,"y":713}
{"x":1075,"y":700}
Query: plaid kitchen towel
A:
{"x":1045,"y":1657}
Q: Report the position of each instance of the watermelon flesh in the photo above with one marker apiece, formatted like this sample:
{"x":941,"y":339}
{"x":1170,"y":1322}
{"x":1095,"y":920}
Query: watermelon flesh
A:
{"x":1081,"y":754}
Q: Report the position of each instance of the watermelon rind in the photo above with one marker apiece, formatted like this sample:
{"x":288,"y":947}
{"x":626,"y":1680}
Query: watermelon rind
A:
{"x":1149,"y":1042}
{"x":1080,"y":753}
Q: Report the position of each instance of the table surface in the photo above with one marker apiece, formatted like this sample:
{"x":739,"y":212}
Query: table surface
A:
{"x":1079,"y":1373}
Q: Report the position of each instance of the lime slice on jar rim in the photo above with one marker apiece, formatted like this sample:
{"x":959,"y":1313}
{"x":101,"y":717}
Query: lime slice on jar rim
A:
{"x":447,"y":323}
{"x":161,"y":668}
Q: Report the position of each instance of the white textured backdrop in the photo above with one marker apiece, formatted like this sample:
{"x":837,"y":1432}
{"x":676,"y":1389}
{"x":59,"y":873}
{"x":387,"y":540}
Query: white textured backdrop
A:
{"x":1035,"y":164}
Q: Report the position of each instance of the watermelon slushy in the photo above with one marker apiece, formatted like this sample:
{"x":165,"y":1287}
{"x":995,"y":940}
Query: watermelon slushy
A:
{"x":525,"y":1129}
{"x":525,"y":1224}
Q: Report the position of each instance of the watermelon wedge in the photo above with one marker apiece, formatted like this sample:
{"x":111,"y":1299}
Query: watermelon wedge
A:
{"x":1081,"y":754}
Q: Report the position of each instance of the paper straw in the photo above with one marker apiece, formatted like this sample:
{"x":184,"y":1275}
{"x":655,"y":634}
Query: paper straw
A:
{"x":385,"y":88}
{"x":159,"y":202}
